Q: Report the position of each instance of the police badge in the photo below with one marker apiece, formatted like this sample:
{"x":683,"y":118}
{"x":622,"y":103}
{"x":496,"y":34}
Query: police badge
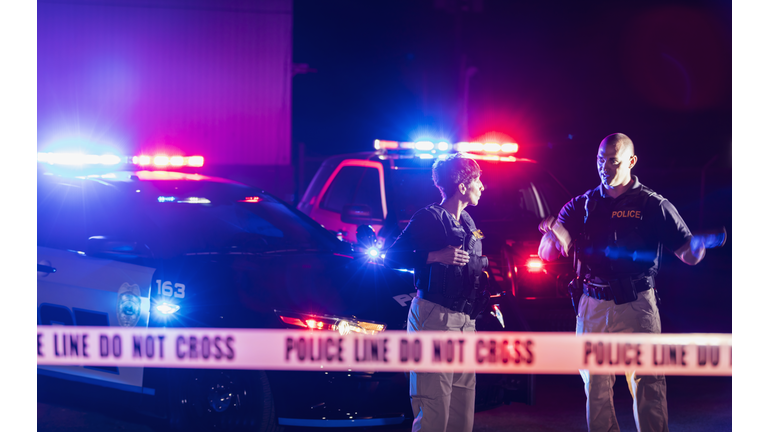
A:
{"x":128,"y":305}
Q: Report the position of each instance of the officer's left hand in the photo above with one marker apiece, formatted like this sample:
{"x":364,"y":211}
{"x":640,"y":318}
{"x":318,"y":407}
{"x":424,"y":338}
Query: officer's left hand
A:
{"x":450,"y":255}
{"x":698,"y":247}
{"x":692,"y":252}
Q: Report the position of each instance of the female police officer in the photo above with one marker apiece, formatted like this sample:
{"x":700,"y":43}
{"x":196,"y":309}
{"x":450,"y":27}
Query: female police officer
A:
{"x":616,"y":232}
{"x":444,"y":248}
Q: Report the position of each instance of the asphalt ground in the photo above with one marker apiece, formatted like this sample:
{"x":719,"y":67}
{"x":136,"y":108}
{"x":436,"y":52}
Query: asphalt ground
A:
{"x":701,"y":404}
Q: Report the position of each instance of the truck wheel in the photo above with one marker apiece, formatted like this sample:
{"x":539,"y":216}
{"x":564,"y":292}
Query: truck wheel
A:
{"x":226,"y":400}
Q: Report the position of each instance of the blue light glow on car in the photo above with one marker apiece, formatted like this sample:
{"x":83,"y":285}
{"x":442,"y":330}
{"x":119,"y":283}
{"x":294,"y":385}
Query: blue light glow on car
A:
{"x":168,"y":308}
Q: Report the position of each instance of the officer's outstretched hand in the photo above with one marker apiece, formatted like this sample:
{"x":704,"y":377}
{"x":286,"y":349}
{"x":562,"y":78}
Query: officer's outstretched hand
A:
{"x":450,"y":255}
{"x":545,"y":225}
{"x":692,"y":252}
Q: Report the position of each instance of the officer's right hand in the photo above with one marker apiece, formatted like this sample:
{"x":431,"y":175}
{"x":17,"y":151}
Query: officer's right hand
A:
{"x":545,"y":225}
{"x":450,"y":255}
{"x":555,"y":241}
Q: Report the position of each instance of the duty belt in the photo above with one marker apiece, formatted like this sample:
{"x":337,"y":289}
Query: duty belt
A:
{"x":603,"y":291}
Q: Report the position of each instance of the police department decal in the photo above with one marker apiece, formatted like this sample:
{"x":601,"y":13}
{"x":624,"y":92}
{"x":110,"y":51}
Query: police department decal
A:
{"x":128,"y":305}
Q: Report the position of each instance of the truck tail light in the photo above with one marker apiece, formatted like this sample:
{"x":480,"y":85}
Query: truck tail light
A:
{"x":534,"y":264}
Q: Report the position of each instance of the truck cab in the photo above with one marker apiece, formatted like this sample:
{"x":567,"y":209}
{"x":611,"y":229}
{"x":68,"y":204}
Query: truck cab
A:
{"x":385,"y":187}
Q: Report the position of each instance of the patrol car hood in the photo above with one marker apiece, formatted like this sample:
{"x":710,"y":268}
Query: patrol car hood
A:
{"x":331,"y":284}
{"x":245,"y":290}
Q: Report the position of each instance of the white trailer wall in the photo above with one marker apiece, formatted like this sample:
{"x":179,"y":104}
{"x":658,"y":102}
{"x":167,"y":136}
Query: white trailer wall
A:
{"x":209,"y":77}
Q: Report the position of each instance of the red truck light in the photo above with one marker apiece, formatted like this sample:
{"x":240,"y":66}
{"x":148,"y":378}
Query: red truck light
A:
{"x":534,"y":264}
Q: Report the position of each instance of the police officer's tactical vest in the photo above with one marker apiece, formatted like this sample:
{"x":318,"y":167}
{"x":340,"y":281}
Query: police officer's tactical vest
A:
{"x":614,"y":242}
{"x":452,"y":284}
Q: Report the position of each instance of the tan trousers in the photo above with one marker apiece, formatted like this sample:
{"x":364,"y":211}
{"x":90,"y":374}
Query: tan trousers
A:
{"x":441,"y":401}
{"x":649,"y":392}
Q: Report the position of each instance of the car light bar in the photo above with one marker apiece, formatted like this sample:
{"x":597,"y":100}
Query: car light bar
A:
{"x":442,"y":146}
{"x":75,"y":159}
{"x":195,"y":200}
{"x":80,"y":159}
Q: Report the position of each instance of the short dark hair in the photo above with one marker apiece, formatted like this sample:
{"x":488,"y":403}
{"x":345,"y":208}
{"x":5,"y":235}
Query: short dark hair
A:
{"x":450,"y":172}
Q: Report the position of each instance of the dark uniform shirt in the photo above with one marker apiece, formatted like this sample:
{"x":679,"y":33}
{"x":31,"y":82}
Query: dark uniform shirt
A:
{"x":622,"y":236}
{"x":431,"y":229}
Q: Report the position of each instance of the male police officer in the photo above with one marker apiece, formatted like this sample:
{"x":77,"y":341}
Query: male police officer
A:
{"x":444,"y":248}
{"x":616,"y":232}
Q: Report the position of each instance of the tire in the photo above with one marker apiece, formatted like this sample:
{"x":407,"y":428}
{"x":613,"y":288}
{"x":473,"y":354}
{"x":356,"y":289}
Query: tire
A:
{"x":221,"y":400}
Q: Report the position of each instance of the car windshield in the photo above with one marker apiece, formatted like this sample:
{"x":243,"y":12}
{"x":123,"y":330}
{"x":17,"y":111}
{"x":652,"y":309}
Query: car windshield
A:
{"x":173,"y":218}
{"x":517,"y":192}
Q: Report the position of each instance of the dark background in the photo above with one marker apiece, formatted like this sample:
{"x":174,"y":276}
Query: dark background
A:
{"x":554,"y":76}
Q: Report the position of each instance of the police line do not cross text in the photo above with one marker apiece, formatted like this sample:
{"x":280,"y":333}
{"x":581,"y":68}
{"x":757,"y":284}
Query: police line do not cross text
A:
{"x":483,"y":352}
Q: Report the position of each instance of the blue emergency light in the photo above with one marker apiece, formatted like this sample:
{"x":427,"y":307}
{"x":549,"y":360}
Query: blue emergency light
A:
{"x":82,"y":160}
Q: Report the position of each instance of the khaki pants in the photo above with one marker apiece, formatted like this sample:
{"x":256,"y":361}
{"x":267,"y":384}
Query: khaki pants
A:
{"x":649,"y":392}
{"x":441,"y":401}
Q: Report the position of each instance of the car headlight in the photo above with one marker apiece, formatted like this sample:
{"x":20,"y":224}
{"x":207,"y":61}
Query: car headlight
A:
{"x":343,"y":325}
{"x":167,"y":308}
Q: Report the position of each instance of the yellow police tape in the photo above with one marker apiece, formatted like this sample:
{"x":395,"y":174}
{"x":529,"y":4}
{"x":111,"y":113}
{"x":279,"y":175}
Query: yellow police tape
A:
{"x":483,"y":352}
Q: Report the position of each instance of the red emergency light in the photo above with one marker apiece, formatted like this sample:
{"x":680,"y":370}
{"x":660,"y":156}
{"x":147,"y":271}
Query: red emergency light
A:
{"x":430,"y":147}
{"x":163,"y":161}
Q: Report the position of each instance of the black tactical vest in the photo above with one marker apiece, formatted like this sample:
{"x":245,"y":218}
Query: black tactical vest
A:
{"x":451,"y":283}
{"x":617,"y":240}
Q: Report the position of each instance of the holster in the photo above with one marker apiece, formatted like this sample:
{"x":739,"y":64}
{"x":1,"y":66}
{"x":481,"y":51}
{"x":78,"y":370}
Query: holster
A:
{"x":480,"y":304}
{"x":575,"y":290}
{"x":482,"y":296}
{"x":625,"y":289}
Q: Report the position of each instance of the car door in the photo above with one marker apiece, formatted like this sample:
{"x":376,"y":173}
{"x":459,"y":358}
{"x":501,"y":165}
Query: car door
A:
{"x":353,"y":182}
{"x":77,"y":286}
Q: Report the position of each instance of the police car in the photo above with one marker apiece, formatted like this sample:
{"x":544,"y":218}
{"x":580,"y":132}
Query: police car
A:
{"x":385,"y":187}
{"x":147,"y":241}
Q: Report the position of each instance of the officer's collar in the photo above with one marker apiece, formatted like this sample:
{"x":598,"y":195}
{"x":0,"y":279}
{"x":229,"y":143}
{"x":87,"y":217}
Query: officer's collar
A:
{"x":450,"y":216}
{"x":632,"y":190}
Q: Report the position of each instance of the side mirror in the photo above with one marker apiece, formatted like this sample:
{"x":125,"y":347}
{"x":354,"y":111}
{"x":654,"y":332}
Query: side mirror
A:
{"x":359,"y":214}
